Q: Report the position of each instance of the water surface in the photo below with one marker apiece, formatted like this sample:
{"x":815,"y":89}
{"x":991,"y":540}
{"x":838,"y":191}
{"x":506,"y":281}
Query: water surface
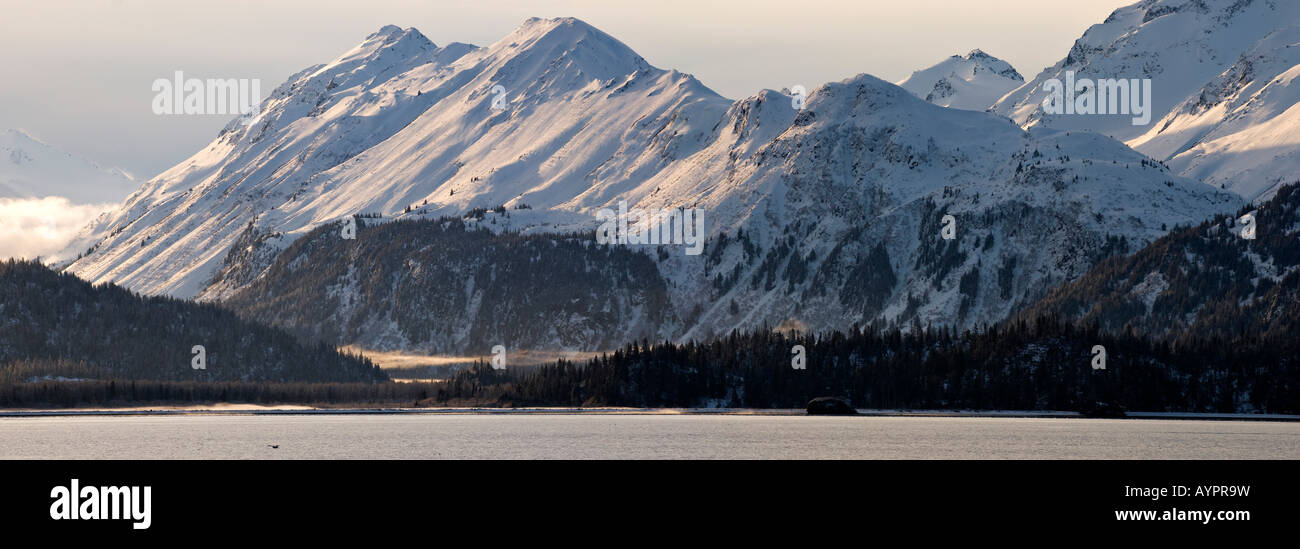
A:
{"x":608,"y":436}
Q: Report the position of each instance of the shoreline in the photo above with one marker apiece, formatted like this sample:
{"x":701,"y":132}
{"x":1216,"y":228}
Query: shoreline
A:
{"x":282,"y":410}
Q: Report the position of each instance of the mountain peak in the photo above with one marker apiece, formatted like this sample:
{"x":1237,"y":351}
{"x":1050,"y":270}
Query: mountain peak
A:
{"x":980,"y":56}
{"x":559,"y":28}
{"x":19,"y":133}
{"x":393,"y":33}
{"x":572,"y":23}
{"x":971,"y":82}
{"x":998,"y":66}
{"x":387,"y":30}
{"x":407,"y":42}
{"x":570,"y":36}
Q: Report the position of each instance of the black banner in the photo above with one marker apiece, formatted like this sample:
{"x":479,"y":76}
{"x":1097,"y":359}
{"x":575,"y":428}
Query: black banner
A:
{"x":242,"y":500}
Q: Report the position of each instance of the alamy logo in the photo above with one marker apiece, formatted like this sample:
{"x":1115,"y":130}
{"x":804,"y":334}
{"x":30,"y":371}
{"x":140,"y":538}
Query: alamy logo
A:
{"x":102,"y":503}
{"x":949,"y":230}
{"x":349,"y":231}
{"x":684,"y":226}
{"x":798,"y":97}
{"x":1103,"y":96}
{"x":200,"y":360}
{"x":1098,"y":357}
{"x":498,"y":357}
{"x":212,"y":96}
{"x":498,"y":98}
{"x":1247,"y":223}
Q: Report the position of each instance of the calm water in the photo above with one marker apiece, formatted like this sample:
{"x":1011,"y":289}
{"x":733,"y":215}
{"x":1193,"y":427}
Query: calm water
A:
{"x":489,"y":436}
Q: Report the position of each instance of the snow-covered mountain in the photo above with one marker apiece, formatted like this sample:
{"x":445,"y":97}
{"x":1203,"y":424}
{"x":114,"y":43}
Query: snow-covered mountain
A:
{"x":818,"y":217}
{"x":842,"y":209}
{"x":973,"y":82}
{"x":31,"y":168}
{"x":399,"y":121}
{"x":1221,"y":71}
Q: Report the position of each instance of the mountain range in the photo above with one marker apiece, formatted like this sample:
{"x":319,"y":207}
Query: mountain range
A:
{"x":819,"y":215}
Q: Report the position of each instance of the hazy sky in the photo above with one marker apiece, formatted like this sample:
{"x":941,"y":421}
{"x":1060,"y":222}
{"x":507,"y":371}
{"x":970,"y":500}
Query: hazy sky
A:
{"x":78,"y":73}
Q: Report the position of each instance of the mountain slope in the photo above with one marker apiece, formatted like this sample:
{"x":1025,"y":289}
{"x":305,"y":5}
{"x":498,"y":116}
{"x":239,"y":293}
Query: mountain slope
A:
{"x":1199,"y":282}
{"x":1242,"y":130}
{"x":446,"y":286}
{"x":1220,"y":72}
{"x":115,"y":334}
{"x":973,"y":82}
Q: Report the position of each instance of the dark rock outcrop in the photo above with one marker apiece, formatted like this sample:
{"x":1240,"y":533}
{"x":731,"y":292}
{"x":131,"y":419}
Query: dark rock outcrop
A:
{"x":830,"y":406}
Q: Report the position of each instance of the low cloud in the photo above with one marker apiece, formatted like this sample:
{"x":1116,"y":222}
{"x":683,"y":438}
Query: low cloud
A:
{"x":40,"y":227}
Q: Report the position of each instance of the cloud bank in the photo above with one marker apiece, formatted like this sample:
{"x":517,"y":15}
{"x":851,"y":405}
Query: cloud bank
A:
{"x":41,"y":227}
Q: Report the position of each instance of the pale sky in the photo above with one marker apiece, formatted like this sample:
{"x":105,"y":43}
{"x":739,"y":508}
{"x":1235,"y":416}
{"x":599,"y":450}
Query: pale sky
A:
{"x":77,"y":73}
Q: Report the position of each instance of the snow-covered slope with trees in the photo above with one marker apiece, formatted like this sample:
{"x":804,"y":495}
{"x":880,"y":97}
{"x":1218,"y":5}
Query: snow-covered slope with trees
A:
{"x":54,"y":324}
{"x":818,"y":217}
{"x":1221,"y":71}
{"x":973,"y":82}
{"x":1205,"y":282}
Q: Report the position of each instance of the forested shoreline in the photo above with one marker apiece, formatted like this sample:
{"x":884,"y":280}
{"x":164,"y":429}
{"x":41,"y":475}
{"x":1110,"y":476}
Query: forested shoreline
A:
{"x":17,"y":390}
{"x":1042,"y":365}
{"x":59,"y":349}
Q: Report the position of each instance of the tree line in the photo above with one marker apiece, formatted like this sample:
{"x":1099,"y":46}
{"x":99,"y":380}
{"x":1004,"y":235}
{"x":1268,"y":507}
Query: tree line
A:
{"x":20,"y":389}
{"x":1044,"y":364}
{"x":61,"y":320}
